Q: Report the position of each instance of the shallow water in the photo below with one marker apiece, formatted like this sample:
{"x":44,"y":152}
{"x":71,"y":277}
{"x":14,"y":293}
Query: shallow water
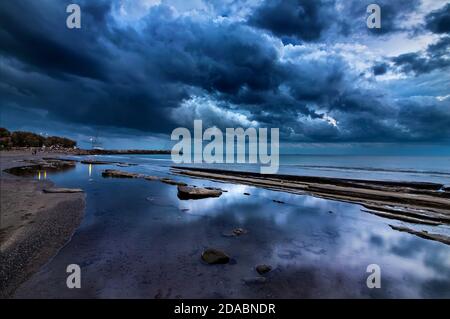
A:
{"x":138,"y":239}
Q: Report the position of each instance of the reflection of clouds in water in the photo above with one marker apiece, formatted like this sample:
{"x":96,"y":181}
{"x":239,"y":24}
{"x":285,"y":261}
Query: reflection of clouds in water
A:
{"x":300,"y":238}
{"x":213,"y":206}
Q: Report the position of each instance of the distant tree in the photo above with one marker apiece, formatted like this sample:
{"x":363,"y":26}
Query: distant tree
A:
{"x":59,"y":141}
{"x":26,"y":139}
{"x":4,"y":132}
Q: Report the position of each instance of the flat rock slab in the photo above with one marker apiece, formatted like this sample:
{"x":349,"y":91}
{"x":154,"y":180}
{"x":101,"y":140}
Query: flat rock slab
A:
{"x":214,"y":256}
{"x":119,"y":174}
{"x":63,"y":190}
{"x":188,"y":192}
{"x":172,"y":182}
{"x":96,"y":162}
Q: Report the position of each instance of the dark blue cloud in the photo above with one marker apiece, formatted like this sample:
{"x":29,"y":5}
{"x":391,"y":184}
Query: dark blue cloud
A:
{"x":302,"y":19}
{"x":438,"y":21}
{"x":146,"y":75}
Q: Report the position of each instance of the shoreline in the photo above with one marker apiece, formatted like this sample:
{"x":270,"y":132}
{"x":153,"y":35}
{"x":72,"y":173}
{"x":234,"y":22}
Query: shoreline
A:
{"x":34,"y":225}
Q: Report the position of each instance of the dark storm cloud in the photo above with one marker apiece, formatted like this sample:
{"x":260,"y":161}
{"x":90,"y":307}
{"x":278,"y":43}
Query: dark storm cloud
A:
{"x":438,"y":21}
{"x":354,"y":15}
{"x":436,"y":57}
{"x":303,"y":19}
{"x":43,"y":43}
{"x":380,"y":69}
{"x":151,"y":78}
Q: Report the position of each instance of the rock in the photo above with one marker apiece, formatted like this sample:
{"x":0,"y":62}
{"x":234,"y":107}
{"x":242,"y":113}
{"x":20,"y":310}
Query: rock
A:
{"x":119,"y":174}
{"x":215,"y":188}
{"x":172,"y":182}
{"x":215,"y":256}
{"x":63,"y":190}
{"x":239,"y":231}
{"x":152,"y":178}
{"x":235,"y":232}
{"x":247,"y":194}
{"x":124,"y":165}
{"x":278,"y":201}
{"x":187,"y":192}
{"x":263,"y":269}
{"x":254,"y":280}
{"x":96,"y":162}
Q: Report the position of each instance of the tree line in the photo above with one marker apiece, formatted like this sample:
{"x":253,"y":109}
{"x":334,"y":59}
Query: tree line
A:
{"x":28,"y":139}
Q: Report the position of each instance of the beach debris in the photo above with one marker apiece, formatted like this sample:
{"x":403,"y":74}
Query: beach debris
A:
{"x":423,"y":234}
{"x":254,"y":280}
{"x":62,"y":190}
{"x":278,"y":201}
{"x":263,"y":269}
{"x":235,"y":232}
{"x":214,"y":256}
{"x":119,"y":174}
{"x":188,"y":192}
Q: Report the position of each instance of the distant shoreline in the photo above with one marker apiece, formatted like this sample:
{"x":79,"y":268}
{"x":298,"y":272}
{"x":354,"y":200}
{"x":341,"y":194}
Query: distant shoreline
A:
{"x":79,"y":151}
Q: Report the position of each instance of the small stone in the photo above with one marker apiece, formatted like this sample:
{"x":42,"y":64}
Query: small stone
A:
{"x":239,"y":231}
{"x":254,"y":280}
{"x":235,"y":232}
{"x":263,"y":269}
{"x":214,"y":256}
{"x":247,"y":194}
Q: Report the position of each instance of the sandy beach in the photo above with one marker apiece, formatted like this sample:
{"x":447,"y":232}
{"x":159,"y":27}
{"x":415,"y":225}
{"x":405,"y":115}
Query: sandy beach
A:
{"x":33,"y":225}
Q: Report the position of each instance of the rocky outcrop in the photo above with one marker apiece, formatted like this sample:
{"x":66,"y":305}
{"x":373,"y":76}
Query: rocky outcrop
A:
{"x":416,"y":202}
{"x":423,"y":234}
{"x":188,"y":192}
{"x":34,"y":166}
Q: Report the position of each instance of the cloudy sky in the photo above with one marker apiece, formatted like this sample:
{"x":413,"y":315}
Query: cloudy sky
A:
{"x":137,"y":69}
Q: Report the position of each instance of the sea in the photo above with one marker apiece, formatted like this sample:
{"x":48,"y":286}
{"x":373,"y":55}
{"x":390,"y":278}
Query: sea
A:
{"x":139,"y":240}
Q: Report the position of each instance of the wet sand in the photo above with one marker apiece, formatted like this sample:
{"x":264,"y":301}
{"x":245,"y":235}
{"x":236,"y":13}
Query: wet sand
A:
{"x":33,"y":225}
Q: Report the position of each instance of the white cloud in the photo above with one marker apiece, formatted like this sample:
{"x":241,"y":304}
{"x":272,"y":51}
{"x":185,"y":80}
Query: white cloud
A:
{"x":211,"y":113}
